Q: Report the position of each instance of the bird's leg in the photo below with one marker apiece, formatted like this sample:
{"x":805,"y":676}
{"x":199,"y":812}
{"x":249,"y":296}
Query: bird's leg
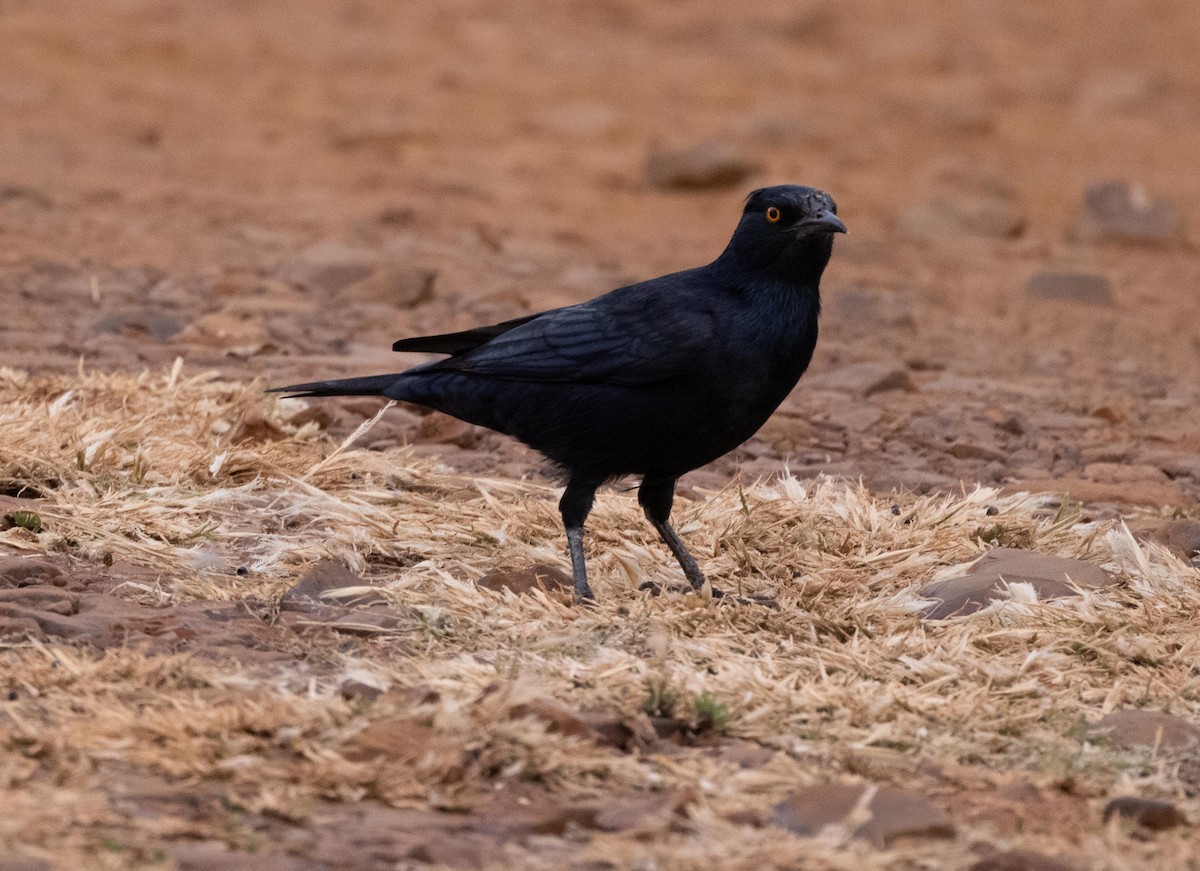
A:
{"x":656,"y":496}
{"x":575,"y":504}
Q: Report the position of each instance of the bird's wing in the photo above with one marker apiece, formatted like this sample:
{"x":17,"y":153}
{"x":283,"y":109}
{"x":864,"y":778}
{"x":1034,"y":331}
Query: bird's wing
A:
{"x":635,"y":335}
{"x":460,"y":343}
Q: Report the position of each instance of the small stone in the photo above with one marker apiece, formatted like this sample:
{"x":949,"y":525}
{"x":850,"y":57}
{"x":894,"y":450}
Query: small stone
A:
{"x":139,"y":322}
{"x":644,"y":814}
{"x":1021,"y":860}
{"x":1051,"y":577}
{"x":519,"y":810}
{"x":329,"y":267}
{"x":862,"y":310}
{"x":1135,"y":728}
{"x":23,"y":863}
{"x":1110,"y":413}
{"x":1119,"y":91}
{"x":384,"y":137}
{"x":358,"y":691}
{"x":704,"y":166}
{"x":1078,"y":287}
{"x":318,"y":414}
{"x":255,"y":429}
{"x":557,"y":717}
{"x":863,"y":379}
{"x":1147,"y":813}
{"x":217,"y":856}
{"x":1117,"y":211}
{"x":393,"y":284}
{"x":396,"y":739}
{"x":1183,"y":537}
{"x":965,"y":201}
{"x":894,"y":813}
{"x":966,"y":450}
{"x":1124,"y":473}
{"x":18,"y":571}
{"x":321,"y":583}
{"x":526,"y":580}
{"x":1154,"y":494}
{"x":746,"y":754}
{"x":237,"y":334}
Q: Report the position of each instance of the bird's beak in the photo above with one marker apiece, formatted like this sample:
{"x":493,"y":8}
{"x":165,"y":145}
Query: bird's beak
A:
{"x":823,"y":222}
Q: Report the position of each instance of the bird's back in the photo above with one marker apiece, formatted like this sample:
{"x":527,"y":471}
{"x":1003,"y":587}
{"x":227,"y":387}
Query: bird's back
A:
{"x":655,"y":378}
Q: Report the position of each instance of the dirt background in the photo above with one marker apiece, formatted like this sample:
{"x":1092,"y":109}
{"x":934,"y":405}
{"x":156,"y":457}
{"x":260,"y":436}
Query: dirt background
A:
{"x":277,"y":190}
{"x":280,"y":190}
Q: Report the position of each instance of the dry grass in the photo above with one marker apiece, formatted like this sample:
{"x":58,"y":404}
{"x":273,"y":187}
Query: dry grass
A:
{"x":192,"y":477}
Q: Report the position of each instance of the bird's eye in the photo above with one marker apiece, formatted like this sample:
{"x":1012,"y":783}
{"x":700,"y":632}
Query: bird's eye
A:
{"x":773,"y":214}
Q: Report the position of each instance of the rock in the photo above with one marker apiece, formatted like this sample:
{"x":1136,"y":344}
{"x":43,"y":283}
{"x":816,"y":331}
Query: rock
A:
{"x":138,"y":322}
{"x":1116,"y":211}
{"x":382,"y":136}
{"x":965,"y":201}
{"x":644,"y":815}
{"x":1147,"y":813}
{"x":894,"y":813}
{"x":19,"y":571}
{"x":1135,"y":728}
{"x":1181,"y":536}
{"x":704,"y":166}
{"x":464,"y":850}
{"x":329,"y":268}
{"x":395,"y":284}
{"x":1080,"y":287}
{"x":1051,"y":577}
{"x":863,"y":379}
{"x":237,"y":334}
{"x":1021,"y":860}
{"x":519,"y":810}
{"x":217,"y":856}
{"x":395,"y":739}
{"x":331,"y":595}
{"x":1119,"y":91}
{"x":604,"y":730}
{"x":746,"y":754}
{"x":863,"y":311}
{"x":358,"y":691}
{"x":1124,"y":473}
{"x":557,"y":717}
{"x":854,"y":418}
{"x":322,"y":582}
{"x":255,"y":429}
{"x":23,"y":863}
{"x":522,"y":581}
{"x":1153,"y":494}
{"x":968,"y":450}
{"x":49,"y":599}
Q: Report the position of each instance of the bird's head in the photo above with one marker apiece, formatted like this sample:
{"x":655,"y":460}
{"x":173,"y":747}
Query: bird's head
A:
{"x":787,"y":231}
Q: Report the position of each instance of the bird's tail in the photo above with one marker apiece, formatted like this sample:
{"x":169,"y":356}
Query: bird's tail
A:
{"x":372,"y":385}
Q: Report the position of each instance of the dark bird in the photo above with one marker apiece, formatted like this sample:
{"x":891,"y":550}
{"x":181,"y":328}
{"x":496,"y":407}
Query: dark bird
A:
{"x":654,"y":379}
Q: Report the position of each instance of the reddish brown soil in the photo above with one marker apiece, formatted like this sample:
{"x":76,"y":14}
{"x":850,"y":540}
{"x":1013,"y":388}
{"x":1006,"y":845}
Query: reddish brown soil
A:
{"x":166,"y":169}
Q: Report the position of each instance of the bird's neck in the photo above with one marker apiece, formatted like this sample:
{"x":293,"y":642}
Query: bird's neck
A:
{"x":800,"y":266}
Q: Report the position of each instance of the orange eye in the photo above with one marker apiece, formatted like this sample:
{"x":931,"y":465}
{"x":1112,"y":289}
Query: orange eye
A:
{"x":773,"y":215}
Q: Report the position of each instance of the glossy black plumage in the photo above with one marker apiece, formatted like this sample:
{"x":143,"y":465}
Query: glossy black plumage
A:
{"x":653,"y":379}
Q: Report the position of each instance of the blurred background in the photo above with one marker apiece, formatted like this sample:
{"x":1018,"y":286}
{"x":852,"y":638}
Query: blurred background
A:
{"x":279,"y":189}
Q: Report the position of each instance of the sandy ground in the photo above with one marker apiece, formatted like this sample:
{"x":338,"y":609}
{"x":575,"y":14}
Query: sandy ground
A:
{"x":276,"y":191}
